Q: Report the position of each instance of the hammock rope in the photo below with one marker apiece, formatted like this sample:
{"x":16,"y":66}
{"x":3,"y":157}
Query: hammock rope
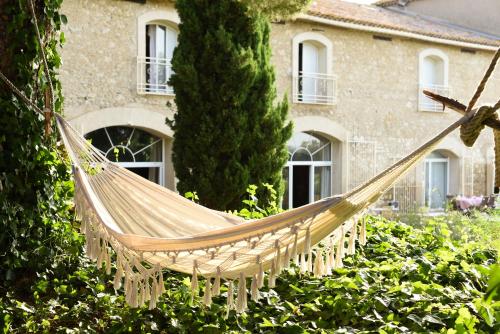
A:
{"x":151,"y":228}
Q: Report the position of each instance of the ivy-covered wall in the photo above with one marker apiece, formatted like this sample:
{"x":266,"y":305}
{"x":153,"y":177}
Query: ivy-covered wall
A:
{"x":34,"y":182}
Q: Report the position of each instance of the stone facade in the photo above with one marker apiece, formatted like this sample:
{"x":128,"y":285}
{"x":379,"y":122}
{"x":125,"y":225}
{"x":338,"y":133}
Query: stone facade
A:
{"x":374,"y":120}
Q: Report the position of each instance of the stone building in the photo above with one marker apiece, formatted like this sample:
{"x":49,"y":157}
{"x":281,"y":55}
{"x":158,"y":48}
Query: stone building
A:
{"x":353,"y":73}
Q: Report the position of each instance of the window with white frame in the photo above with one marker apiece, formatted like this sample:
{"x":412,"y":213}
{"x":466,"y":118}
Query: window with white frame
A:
{"x":313,"y":81}
{"x":157,"y":41}
{"x":308,"y":173}
{"x":433,"y":76}
{"x":132,"y":148}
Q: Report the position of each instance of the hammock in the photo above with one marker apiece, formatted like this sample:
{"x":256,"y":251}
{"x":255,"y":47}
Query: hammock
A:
{"x":146,"y":223}
{"x":151,"y":228}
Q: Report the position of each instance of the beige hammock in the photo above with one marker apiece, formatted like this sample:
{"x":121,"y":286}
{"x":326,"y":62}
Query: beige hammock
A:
{"x":151,"y":228}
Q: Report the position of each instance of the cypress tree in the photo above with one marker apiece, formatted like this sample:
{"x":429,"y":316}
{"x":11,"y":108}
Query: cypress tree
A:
{"x":228,"y":130}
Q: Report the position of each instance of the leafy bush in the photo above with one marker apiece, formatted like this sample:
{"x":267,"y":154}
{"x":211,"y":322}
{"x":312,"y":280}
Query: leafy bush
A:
{"x":404,"y":280}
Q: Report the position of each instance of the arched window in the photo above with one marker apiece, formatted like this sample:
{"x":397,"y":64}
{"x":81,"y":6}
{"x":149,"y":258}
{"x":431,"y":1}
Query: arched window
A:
{"x":313,"y":81}
{"x":433,"y":73}
{"x":132,"y":148}
{"x":157,"y":41}
{"x":308,"y":173}
{"x":437,"y":171}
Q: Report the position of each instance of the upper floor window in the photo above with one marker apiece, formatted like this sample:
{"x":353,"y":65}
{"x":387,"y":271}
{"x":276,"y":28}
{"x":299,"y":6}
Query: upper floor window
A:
{"x":313,"y":81}
{"x":433,"y":76}
{"x":157,"y":41}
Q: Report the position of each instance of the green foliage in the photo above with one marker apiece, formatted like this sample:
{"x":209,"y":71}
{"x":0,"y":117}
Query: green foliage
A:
{"x":35,"y":224}
{"x":253,"y":208}
{"x":404,"y":280}
{"x":228,"y":133}
{"x":277,"y":8}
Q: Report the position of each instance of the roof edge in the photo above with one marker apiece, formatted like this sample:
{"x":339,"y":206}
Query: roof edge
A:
{"x":394,"y":32}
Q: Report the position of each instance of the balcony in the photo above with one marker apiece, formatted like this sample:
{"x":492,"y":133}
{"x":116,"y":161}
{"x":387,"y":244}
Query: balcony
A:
{"x":153,"y":75}
{"x":314,"y":88}
{"x":426,"y":104}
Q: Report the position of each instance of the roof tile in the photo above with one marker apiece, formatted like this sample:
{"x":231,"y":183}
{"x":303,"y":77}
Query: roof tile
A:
{"x":375,"y":16}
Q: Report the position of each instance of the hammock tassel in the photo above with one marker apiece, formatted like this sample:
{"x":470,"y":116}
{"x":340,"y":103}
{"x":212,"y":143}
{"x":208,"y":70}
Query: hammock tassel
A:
{"x":230,"y":295}
{"x":278,"y":257}
{"x":133,"y":294}
{"x":194,"y":281}
{"x":317,"y":264}
{"x":241,"y":301}
{"x":362,"y":232}
{"x":341,"y":244}
{"x":309,"y":262}
{"x":286,"y":261}
{"x":328,"y":264}
{"x":147,"y":290}
{"x":142,"y":294}
{"x":107,"y":262}
{"x":260,"y":276}
{"x":216,"y":286}
{"x":160,"y":282}
{"x":100,"y":257}
{"x":117,"y":282}
{"x":272,"y":276}
{"x":331,"y":256}
{"x":194,"y":278}
{"x":351,"y":248}
{"x":294,"y":254}
{"x":338,"y":257}
{"x":207,"y":297}
{"x":152,"y":301}
{"x":254,"y":289}
{"x":303,"y":263}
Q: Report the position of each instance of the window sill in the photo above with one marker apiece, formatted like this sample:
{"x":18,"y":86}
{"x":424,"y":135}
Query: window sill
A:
{"x":168,"y":94}
{"x":329,"y":103}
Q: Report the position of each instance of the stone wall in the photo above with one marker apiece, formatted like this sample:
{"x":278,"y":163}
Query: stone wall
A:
{"x":377,"y":84}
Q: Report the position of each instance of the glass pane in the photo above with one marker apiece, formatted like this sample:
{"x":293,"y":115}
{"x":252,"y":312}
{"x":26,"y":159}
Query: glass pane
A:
{"x":161,"y":33}
{"x":436,"y":155}
{"x":142,"y":139}
{"x":322,"y":182}
{"x":120,"y":154}
{"x":171,"y":43}
{"x":438,"y":184}
{"x":150,"y":173}
{"x":99,"y":140}
{"x":120,"y":135}
{"x":305,"y":140}
{"x":323,"y":154}
{"x":301,"y":185}
{"x":427,"y":183}
{"x":152,"y":153}
{"x":284,"y":204}
{"x":301,"y":155}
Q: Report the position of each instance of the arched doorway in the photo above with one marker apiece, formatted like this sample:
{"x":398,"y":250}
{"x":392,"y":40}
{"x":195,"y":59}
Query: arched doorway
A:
{"x":308,"y":173}
{"x":135,"y":149}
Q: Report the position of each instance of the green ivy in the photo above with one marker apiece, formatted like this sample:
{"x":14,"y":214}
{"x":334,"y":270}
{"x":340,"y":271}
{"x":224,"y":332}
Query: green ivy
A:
{"x":404,"y":280}
{"x":35,"y":191}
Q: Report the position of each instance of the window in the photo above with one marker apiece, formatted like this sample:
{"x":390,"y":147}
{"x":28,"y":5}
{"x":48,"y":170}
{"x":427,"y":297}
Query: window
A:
{"x":313,"y":81}
{"x":308,"y":173}
{"x":433,"y":70}
{"x":132,"y":148}
{"x":436,"y":180}
{"x":157,"y":39}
